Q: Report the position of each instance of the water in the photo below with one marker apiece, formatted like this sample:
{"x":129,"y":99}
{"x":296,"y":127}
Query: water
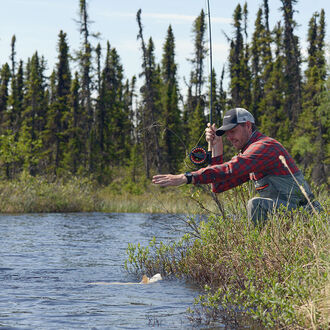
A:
{"x":47,"y":263}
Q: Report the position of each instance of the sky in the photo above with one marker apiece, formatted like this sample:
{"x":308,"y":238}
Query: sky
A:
{"x":37,"y":23}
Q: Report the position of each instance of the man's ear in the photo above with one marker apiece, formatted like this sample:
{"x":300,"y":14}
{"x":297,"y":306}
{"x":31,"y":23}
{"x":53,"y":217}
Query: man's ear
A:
{"x":249,"y":126}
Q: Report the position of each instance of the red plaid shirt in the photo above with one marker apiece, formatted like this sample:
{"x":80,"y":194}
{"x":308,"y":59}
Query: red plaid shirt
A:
{"x":257,"y":159}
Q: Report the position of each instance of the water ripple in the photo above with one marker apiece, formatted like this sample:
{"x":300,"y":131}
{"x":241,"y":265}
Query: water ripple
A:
{"x":48,"y":261}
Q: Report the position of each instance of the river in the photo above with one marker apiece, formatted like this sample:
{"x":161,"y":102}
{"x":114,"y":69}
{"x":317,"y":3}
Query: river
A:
{"x":49,"y":260}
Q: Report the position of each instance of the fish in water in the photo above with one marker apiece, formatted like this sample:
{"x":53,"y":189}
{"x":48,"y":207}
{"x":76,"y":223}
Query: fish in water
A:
{"x":145,"y":280}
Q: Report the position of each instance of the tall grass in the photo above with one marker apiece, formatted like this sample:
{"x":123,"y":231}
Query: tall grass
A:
{"x":154,"y":200}
{"x":277,"y":274}
{"x":31,"y":194}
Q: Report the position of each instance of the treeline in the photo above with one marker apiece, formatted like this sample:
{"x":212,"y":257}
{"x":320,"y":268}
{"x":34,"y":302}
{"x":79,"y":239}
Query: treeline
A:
{"x":94,"y":121}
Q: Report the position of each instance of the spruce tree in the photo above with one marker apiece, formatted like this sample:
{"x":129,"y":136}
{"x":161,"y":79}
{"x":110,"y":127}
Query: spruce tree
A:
{"x":35,"y":108}
{"x":4,"y":95}
{"x":59,"y":108}
{"x":246,"y":72}
{"x":97,"y":130}
{"x":292,"y":64}
{"x":103,"y":104}
{"x":194,"y":117}
{"x":261,"y":61}
{"x":74,"y":134}
{"x":6,"y":135}
{"x":274,"y":120}
{"x":34,"y":112}
{"x":16,"y":98}
{"x":85,"y":63}
{"x":118,"y":133}
{"x":135,"y":161}
{"x":150,"y":106}
{"x":257,"y":83}
{"x":239,"y":72}
{"x":12,"y":101}
{"x":214,"y":104}
{"x":112,"y":118}
{"x":171,"y":117}
{"x":197,"y":78}
{"x":129,"y":102}
{"x":311,"y":134}
{"x":222,"y":102}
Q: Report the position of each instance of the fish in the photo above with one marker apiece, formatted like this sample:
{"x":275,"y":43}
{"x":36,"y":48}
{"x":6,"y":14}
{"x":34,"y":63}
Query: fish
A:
{"x":145,"y":280}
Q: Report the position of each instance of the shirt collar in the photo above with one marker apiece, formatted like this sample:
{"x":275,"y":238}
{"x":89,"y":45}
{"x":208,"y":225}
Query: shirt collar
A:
{"x":253,"y":137}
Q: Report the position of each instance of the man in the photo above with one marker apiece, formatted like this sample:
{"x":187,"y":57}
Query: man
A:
{"x":258,"y":160}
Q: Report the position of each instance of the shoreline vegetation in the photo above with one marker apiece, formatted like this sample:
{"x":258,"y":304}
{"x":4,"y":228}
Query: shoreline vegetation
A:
{"x":276,"y":274}
{"x":30,"y":194}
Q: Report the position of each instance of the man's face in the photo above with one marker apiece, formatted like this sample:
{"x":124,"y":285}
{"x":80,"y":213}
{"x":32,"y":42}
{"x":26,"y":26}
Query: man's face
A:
{"x":239,"y":135}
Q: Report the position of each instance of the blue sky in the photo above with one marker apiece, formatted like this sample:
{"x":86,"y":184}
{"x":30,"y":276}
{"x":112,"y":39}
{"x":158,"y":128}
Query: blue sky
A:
{"x":36,"y":24}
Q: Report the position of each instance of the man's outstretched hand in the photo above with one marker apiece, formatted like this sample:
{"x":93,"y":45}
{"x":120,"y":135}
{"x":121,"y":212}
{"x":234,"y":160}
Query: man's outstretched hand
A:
{"x":165,"y":180}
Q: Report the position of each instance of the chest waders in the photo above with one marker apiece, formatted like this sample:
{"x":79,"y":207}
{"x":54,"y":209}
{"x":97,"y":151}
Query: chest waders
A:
{"x":276,"y":191}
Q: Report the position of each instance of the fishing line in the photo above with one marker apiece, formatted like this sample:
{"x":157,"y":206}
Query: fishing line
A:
{"x":188,"y":154}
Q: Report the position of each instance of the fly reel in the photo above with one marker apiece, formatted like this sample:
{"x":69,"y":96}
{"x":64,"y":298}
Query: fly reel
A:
{"x":198,"y":156}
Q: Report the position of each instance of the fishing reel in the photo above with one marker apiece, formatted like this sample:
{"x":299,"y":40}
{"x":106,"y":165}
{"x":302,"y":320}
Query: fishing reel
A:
{"x":199,"y":156}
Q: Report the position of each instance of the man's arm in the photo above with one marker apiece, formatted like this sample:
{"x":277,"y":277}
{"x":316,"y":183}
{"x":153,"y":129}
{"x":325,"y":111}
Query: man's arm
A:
{"x":258,"y":157}
{"x":165,"y":180}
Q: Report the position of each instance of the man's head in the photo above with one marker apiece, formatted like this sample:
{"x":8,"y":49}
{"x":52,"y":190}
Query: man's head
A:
{"x":238,"y":125}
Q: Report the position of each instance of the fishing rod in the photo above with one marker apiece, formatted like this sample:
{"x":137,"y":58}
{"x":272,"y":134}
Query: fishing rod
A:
{"x":198,"y":155}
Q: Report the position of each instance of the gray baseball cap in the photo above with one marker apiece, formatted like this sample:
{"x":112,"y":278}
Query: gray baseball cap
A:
{"x":232,"y":118}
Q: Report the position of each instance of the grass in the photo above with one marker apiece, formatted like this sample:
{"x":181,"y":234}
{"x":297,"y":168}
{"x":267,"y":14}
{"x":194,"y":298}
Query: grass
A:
{"x":278,"y":274}
{"x":153,"y":200}
{"x":37,"y":195}
{"x":30,"y":194}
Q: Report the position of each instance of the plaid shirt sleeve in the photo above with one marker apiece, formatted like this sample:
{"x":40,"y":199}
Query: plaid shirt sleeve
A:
{"x":260,"y":158}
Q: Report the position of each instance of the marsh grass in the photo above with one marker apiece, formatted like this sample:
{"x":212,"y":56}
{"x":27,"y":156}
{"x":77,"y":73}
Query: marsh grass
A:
{"x":38,"y":195}
{"x":181,"y":200}
{"x":277,"y":274}
{"x":30,"y":194}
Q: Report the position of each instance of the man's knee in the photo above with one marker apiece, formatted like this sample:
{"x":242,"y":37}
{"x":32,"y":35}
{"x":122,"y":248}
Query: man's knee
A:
{"x":258,"y":209}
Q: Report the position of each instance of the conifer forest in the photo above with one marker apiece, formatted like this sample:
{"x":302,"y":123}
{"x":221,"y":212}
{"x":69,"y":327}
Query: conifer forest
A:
{"x":87,"y":119}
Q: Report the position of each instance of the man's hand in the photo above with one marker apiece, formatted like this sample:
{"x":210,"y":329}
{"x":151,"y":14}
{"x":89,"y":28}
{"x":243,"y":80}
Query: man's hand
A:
{"x":215,"y":141}
{"x":165,"y":180}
